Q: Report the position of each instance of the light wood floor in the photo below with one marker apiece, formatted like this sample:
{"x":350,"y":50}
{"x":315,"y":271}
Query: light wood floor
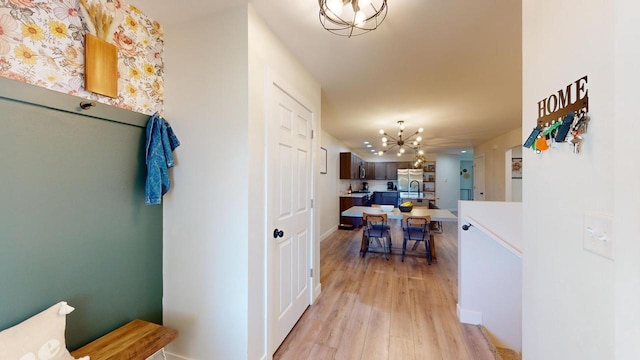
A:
{"x":372,"y":308}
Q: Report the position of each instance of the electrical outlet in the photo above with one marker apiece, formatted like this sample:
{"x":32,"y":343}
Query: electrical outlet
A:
{"x":598,"y":234}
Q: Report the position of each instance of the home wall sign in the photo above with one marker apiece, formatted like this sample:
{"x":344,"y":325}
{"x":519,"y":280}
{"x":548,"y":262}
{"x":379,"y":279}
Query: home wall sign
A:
{"x":562,"y":117}
{"x":574,"y":97}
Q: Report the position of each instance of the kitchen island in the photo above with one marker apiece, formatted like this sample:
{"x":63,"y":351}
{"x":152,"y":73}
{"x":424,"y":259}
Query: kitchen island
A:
{"x":435,"y":214}
{"x":350,"y":200}
{"x":418,"y":199}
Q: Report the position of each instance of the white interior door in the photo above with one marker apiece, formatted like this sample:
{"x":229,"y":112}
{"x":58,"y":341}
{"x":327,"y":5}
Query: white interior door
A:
{"x":289,"y":206}
{"x":478,"y":178}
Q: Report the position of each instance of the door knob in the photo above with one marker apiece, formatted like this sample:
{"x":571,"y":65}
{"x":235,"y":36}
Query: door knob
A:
{"x":277,"y":233}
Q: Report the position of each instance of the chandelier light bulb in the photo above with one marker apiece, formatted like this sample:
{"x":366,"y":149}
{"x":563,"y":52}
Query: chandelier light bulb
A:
{"x":420,"y":130}
{"x":409,"y":144}
{"x":360,"y":18}
{"x":352,"y":17}
{"x":381,"y":132}
{"x":335,"y":6}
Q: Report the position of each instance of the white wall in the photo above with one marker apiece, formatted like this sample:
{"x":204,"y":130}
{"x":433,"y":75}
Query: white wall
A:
{"x":214,"y":218}
{"x":494,"y":155}
{"x":328,"y":203}
{"x":569,"y":306}
{"x":447,"y":181}
{"x":205,"y":215}
{"x":626,"y":184}
{"x":267,"y":54}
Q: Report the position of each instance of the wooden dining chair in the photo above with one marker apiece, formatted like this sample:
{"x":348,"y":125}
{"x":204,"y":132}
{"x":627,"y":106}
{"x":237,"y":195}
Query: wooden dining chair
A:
{"x":375,"y":228}
{"x":416,"y":228}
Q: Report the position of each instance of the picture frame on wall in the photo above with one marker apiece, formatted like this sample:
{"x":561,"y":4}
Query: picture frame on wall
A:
{"x":323,"y":160}
{"x":516,"y":168}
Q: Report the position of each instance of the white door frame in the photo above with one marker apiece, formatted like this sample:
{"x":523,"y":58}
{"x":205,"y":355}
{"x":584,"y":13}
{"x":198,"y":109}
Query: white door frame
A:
{"x":272,"y":79}
{"x":508,"y":182}
{"x":484,"y":177}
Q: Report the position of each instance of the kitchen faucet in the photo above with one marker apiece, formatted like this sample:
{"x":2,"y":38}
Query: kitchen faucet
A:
{"x":417,"y":182}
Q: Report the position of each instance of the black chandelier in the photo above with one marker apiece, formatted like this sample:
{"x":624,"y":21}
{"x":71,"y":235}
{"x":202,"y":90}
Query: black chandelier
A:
{"x":352,"y":17}
{"x":402,"y":143}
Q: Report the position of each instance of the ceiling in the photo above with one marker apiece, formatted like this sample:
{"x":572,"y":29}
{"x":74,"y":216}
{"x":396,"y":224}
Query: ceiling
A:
{"x":452,"y":67}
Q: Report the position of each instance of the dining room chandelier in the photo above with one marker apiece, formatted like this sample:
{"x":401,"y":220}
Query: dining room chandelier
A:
{"x":402,"y":143}
{"x":352,"y":17}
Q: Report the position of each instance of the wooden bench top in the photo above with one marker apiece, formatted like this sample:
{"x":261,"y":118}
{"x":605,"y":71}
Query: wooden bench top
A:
{"x":136,"y":340}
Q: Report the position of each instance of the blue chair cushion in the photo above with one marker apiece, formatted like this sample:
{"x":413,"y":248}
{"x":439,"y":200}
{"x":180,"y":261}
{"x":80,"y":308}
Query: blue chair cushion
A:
{"x":380,"y":226}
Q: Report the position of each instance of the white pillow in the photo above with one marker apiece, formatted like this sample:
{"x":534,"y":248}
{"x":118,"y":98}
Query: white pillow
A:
{"x":40,"y":337}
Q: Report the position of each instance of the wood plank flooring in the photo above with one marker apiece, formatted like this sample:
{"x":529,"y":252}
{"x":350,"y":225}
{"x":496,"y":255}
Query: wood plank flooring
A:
{"x":371,"y":308}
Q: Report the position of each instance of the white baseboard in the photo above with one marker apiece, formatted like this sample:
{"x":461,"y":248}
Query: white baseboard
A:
{"x":176,"y":357}
{"x":469,"y":316}
{"x":171,"y":356}
{"x":328,"y":233}
{"x":316,"y":292}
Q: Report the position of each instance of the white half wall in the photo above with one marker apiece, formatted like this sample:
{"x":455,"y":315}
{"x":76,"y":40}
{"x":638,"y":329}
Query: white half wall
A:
{"x":490,"y":269}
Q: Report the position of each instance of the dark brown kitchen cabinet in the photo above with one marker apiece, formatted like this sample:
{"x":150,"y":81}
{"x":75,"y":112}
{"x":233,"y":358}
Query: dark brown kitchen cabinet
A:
{"x":356,"y":166}
{"x":392,"y":171}
{"x":371,"y":171}
{"x":380,"y":171}
{"x":351,"y":166}
{"x":349,"y":201}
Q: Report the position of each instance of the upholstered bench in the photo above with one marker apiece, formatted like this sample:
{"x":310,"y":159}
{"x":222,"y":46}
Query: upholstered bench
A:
{"x":136,"y":340}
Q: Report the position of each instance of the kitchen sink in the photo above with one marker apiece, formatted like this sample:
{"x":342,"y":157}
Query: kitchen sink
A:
{"x":410,"y":195}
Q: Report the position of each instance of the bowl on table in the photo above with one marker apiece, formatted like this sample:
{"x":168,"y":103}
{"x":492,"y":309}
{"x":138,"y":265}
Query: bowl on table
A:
{"x":386,"y":208}
{"x":405,"y":208}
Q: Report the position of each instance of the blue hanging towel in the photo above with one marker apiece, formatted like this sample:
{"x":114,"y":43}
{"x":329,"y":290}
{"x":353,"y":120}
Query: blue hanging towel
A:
{"x":161,"y":141}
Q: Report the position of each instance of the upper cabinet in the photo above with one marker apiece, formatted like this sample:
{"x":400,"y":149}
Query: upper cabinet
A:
{"x":380,"y":169}
{"x":351,"y":166}
{"x":392,"y":171}
{"x":371,"y":171}
{"x":354,"y":168}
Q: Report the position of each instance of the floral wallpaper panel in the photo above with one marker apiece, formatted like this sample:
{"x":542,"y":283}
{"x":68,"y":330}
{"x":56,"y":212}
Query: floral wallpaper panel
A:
{"x":42,"y":43}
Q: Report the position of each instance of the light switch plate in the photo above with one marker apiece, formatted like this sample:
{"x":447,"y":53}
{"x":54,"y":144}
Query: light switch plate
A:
{"x":598,"y":234}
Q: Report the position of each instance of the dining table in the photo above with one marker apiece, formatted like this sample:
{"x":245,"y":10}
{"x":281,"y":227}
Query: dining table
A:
{"x":437,"y":215}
